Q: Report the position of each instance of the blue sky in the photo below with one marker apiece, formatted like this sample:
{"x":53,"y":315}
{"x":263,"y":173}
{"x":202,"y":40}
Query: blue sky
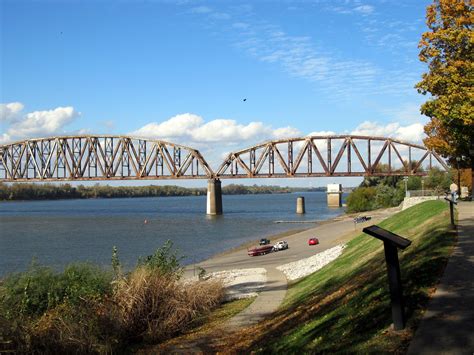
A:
{"x":179,"y":70}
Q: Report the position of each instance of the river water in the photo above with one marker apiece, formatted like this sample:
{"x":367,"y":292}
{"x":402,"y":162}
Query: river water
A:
{"x":56,"y":233}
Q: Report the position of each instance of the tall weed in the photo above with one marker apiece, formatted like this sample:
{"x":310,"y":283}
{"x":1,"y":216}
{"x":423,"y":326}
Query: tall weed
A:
{"x":152,"y":306}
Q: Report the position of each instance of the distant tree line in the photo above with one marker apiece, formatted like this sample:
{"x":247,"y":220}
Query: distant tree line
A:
{"x":234,"y":189}
{"x":29,"y":191}
{"x":389,"y":191}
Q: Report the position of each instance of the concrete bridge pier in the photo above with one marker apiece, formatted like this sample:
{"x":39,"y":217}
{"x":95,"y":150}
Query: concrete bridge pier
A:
{"x":214,"y":197}
{"x":334,"y":193}
{"x":300,"y":209}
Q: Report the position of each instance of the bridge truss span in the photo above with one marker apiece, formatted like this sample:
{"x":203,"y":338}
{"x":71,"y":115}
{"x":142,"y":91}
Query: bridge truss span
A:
{"x":100,"y":158}
{"x":335,"y":155}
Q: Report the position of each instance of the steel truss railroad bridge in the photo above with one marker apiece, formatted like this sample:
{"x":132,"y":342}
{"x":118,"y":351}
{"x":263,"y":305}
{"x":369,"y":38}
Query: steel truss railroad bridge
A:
{"x":91,"y":158}
{"x":127,"y":158}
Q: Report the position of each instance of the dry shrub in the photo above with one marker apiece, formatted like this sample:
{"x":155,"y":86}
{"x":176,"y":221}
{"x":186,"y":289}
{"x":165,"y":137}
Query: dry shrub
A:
{"x":152,"y":305}
{"x":13,"y":335}
{"x":81,"y":329}
{"x":149,"y":304}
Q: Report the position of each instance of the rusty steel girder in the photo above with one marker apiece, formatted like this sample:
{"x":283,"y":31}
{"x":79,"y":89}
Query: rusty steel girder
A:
{"x":127,"y":158}
{"x":313,"y":157}
{"x":99,"y":158}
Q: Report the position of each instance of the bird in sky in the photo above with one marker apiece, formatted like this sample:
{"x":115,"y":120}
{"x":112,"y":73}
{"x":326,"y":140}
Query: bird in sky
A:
{"x":244,"y":100}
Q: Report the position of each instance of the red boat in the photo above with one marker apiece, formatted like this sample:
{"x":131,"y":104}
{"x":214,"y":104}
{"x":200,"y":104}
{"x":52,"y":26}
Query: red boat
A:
{"x":263,"y":249}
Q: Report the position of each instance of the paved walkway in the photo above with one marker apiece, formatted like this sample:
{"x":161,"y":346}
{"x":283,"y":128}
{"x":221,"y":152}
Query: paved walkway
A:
{"x":267,"y":302}
{"x":448,"y":325}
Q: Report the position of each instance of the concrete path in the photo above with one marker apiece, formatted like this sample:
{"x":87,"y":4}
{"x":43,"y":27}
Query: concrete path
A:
{"x":448,"y":325}
{"x":265,"y":304}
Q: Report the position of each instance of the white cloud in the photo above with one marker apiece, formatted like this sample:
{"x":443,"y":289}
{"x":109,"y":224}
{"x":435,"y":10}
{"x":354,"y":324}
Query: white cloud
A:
{"x":215,"y":136}
{"x":176,"y":126}
{"x":9,"y":112}
{"x":5,"y":138}
{"x":34,"y":124}
{"x":310,"y":59}
{"x":210,"y":13}
{"x":300,"y":57}
{"x":286,"y":132}
{"x":227,"y":130}
{"x":364,"y":9}
{"x":191,"y":129}
{"x":411,"y":133}
{"x":321,"y":133}
{"x":349,"y":7}
{"x":45,"y":122}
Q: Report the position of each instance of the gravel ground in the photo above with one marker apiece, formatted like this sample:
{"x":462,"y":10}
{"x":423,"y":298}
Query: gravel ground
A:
{"x":245,"y":283}
{"x":241,"y":283}
{"x":304,"y":267}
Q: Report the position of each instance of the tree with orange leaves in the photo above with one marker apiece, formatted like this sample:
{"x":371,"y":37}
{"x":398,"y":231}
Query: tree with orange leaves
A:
{"x":448,"y":49}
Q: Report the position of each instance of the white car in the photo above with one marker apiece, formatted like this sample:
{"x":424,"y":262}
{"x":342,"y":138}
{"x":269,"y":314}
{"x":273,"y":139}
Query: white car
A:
{"x":281,"y":245}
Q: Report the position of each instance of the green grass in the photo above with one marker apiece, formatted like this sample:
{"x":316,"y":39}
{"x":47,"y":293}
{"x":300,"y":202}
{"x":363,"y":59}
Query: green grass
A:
{"x":345,"y":307}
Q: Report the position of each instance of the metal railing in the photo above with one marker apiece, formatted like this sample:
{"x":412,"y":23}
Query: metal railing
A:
{"x":422,"y":193}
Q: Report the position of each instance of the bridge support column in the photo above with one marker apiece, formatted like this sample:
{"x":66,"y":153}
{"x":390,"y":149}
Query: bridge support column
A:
{"x":214,"y":197}
{"x":334,"y":192}
{"x":300,"y":205}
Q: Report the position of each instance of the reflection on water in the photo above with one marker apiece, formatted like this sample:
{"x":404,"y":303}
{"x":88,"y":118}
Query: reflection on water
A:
{"x":59,"y":232}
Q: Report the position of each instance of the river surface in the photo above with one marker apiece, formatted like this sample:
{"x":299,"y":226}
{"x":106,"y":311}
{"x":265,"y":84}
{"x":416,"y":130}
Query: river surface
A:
{"x":56,"y":233}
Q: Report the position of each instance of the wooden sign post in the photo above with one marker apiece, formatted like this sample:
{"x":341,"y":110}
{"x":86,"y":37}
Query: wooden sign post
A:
{"x":451,"y":209}
{"x":391,"y":242}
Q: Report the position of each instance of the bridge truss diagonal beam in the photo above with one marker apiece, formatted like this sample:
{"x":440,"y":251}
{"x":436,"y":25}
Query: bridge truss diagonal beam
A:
{"x":100,"y":158}
{"x":128,"y":158}
{"x":313,"y":156}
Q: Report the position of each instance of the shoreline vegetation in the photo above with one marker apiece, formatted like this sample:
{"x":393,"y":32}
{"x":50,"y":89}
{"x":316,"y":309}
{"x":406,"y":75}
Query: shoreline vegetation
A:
{"x":30,"y":191}
{"x":389,"y":191}
{"x":89,"y":309}
{"x":102,"y":310}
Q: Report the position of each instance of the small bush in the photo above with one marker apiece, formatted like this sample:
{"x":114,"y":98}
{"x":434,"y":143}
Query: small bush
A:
{"x":29,"y":293}
{"x":164,"y":260}
{"x":40,"y":288}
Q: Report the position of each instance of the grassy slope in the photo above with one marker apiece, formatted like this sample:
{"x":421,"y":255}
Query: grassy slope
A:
{"x":345,"y":307}
{"x":197,"y":336}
